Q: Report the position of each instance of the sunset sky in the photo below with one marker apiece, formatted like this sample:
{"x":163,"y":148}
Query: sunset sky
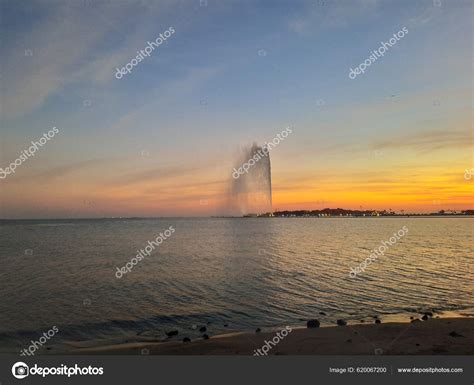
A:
{"x":162,"y":140}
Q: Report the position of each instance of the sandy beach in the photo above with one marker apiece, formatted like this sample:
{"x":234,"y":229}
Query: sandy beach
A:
{"x":439,"y":336}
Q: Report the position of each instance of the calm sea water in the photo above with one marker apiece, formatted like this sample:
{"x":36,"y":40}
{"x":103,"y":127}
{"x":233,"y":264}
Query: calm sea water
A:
{"x":243,"y":273}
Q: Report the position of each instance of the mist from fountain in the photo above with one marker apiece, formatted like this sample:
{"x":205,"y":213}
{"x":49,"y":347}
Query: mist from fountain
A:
{"x":251,"y":192}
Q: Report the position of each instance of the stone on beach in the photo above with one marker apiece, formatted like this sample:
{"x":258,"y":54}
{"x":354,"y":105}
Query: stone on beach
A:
{"x":314,"y":323}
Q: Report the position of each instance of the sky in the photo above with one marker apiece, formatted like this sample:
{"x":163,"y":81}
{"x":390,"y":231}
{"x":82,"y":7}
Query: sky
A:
{"x":162,"y":140}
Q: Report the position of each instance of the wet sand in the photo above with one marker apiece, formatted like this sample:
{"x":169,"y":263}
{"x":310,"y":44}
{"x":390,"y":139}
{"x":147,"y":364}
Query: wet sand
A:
{"x":439,"y":336}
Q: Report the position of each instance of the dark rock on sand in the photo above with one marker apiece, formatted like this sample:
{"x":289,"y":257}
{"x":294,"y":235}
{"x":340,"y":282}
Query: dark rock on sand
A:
{"x":322,"y":313}
{"x":314,"y":323}
{"x":203,"y":329}
{"x":429,"y":314}
{"x":375,"y":316}
{"x":454,"y":334}
{"x":424,"y":318}
{"x":362,"y":321}
{"x":186,"y":339}
{"x":377,"y":321}
{"x":411,"y":317}
{"x":225,"y":325}
{"x":205,"y":336}
{"x":258,"y":330}
{"x":341,"y":322}
{"x":172,"y":333}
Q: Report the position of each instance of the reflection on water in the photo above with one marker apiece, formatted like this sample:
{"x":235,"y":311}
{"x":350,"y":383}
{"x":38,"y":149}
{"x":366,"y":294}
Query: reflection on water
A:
{"x":245,"y":273}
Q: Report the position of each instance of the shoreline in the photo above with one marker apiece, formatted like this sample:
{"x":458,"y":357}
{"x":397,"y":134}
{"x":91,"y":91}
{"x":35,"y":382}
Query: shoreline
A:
{"x":470,"y":216}
{"x":435,"y":336}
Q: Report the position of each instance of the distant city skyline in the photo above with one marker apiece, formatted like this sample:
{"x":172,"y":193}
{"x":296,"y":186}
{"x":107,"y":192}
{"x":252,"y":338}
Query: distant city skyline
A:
{"x":161,"y":141}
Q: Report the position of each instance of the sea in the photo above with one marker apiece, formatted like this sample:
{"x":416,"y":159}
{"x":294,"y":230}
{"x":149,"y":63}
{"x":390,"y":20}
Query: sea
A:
{"x":225,"y":274}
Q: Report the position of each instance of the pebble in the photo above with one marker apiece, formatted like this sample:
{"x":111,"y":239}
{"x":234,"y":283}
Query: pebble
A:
{"x":314,"y":323}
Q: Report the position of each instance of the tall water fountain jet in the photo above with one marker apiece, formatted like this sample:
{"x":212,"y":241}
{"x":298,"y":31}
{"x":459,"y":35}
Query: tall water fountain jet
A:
{"x":251,"y":191}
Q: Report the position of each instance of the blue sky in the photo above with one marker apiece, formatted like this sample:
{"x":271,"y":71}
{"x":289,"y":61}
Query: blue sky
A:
{"x":234,"y":72}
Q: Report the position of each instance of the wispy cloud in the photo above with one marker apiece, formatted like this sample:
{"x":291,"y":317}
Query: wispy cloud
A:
{"x":69,"y":45}
{"x":50,"y":175}
{"x":186,"y":84}
{"x":429,"y":140}
{"x":334,"y":13}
